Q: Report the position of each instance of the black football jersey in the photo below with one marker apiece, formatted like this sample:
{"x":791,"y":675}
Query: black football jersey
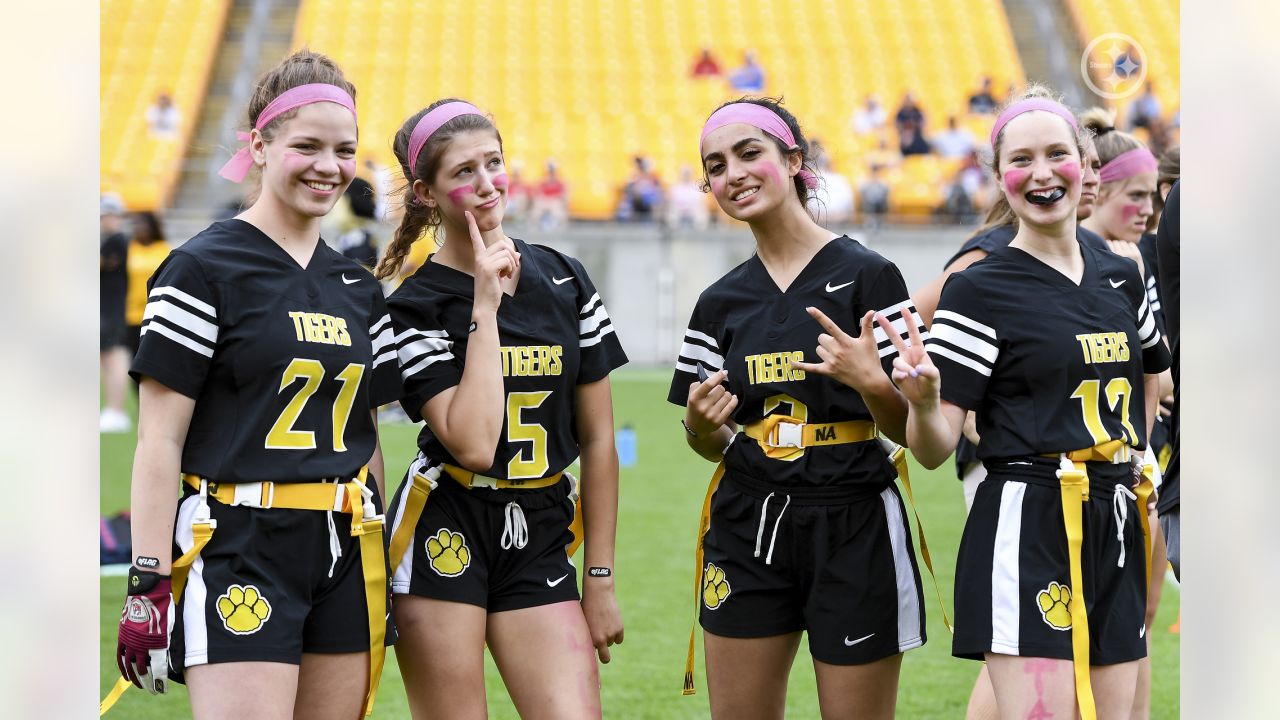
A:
{"x":554,"y":335}
{"x":1001,"y":235}
{"x":284,"y":363}
{"x":1047,"y":365}
{"x":744,"y":323}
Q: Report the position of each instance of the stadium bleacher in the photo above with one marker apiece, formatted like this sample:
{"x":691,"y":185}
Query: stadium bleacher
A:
{"x":1153,"y":24}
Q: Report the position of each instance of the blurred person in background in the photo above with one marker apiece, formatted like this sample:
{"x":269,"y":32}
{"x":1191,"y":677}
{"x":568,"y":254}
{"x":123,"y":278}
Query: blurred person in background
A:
{"x":966,"y":193}
{"x":909,"y":116}
{"x":954,"y":142}
{"x":883,"y":155}
{"x":519,"y":198}
{"x":550,"y":208}
{"x":113,"y":281}
{"x":911,"y":142}
{"x":1145,"y":109}
{"x":507,"y":349}
{"x":642,"y":195}
{"x":163,"y":118}
{"x":868,"y":118}
{"x":747,"y":77}
{"x":356,"y":240}
{"x":873,"y":198}
{"x":983,"y":102}
{"x":381,"y":179}
{"x":147,"y":250}
{"x":686,"y":203}
{"x":833,"y":200}
{"x":705,"y":65}
{"x":839,"y":527}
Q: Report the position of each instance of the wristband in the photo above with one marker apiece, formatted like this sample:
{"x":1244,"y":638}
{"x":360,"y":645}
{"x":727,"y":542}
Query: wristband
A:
{"x":599,"y":572}
{"x":688,"y":429}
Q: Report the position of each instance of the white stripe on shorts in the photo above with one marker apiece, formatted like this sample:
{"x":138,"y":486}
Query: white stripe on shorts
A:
{"x":194,"y":618}
{"x":908,"y":597}
{"x":403,"y":574}
{"x":1005,"y":595}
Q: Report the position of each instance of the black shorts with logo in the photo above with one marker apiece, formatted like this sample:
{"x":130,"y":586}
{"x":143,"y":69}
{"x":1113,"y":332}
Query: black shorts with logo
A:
{"x":467,"y":546}
{"x":270,"y":585}
{"x":1013,"y":577}
{"x":836,"y":562}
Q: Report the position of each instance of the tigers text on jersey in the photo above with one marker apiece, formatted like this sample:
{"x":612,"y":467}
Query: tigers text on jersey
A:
{"x":1048,"y":365}
{"x":744,"y":323}
{"x":284,"y":363}
{"x":554,"y":335}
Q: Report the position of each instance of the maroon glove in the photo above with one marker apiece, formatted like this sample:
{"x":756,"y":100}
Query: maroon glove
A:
{"x":143,"y":648}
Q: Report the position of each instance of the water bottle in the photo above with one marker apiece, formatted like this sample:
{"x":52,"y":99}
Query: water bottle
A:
{"x":625,"y":439}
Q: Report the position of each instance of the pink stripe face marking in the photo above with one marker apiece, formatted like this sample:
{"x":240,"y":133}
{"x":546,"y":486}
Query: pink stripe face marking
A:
{"x":1015,"y":178}
{"x":457,"y":194}
{"x":500,"y":180}
{"x":1070,"y":171}
{"x":1128,"y":212}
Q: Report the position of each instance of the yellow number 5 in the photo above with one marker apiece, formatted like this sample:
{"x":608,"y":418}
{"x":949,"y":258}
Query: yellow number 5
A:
{"x":534,"y":463}
{"x":282,"y":436}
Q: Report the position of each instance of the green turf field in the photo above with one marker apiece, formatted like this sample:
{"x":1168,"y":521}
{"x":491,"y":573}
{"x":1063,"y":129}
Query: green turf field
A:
{"x":660,"y":501}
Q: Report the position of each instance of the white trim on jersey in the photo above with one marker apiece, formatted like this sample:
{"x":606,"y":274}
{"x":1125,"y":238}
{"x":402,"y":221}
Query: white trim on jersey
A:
{"x":195,"y":618}
{"x":1147,"y":329}
{"x":384,"y":341}
{"x":967,"y":322}
{"x":177,"y":337}
{"x":402,"y":575}
{"x":909,"y":632}
{"x":198,"y":304}
{"x":1153,"y":294}
{"x":430,"y":349}
{"x":182,"y":318}
{"x":1006,"y":594}
{"x":963,"y":340}
{"x":593,"y":322}
{"x":377,"y":327}
{"x":953,"y":335}
{"x":970,"y":363}
{"x":691,"y":334}
{"x":588,"y":342}
{"x":902,"y":310}
{"x":697,"y":352}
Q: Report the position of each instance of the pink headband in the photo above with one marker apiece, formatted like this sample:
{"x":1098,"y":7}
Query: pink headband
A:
{"x":1023,"y":106}
{"x":1127,"y":164}
{"x":430,"y":123}
{"x":238,"y":166}
{"x":757,"y":116}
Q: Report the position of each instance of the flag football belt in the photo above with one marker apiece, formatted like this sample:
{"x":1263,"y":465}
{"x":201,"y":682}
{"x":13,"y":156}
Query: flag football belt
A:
{"x":423,"y":479}
{"x":353,"y":498}
{"x":782,"y":435}
{"x":850,"y":431}
{"x":1073,"y":477}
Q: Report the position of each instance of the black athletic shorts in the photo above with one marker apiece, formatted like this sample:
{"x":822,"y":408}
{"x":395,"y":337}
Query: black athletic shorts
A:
{"x":110,"y":335}
{"x":1013,"y":577}
{"x":836,"y":562}
{"x":468,"y":546}
{"x":267,"y":587}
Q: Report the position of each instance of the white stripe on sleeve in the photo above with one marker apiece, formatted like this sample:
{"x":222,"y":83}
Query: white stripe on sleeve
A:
{"x":965,"y":341}
{"x":181,"y":317}
{"x":187,"y":298}
{"x":177,"y":337}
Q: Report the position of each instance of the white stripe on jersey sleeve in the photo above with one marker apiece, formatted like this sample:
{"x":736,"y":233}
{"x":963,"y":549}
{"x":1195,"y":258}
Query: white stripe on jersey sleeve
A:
{"x":592,"y":322}
{"x":697,"y":352}
{"x":596,"y":340}
{"x":978,"y":367}
{"x":384,"y":338}
{"x":377,"y":327}
{"x":691,"y":334}
{"x":1153,"y":294}
{"x":384,"y":357}
{"x":902,"y":309}
{"x":952,"y":335}
{"x":183,"y":318}
{"x":426,"y":362}
{"x":590,"y":304}
{"x":962,"y":320}
{"x":432,"y":346}
{"x":1147,"y":329}
{"x":194,"y":302}
{"x":176,"y":337}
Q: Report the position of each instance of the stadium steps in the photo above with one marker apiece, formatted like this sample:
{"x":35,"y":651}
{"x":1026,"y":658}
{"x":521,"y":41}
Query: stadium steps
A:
{"x":200,"y":189}
{"x":1049,"y":46}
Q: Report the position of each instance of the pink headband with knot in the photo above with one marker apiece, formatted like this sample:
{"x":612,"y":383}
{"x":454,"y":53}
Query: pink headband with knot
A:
{"x":757,"y":116}
{"x":1127,"y":164}
{"x":238,"y":166}
{"x":1024,"y":106}
{"x":430,"y":123}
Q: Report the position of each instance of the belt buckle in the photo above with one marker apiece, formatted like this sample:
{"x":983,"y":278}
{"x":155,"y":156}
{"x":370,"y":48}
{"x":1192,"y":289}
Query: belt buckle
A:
{"x":787,"y":435}
{"x":479,"y":480}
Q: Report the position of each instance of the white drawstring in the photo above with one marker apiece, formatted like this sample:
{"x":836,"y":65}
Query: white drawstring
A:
{"x":516,"y":530}
{"x":768,"y":559}
{"x":760,"y":531}
{"x":335,"y":547}
{"x":1120,"y":511}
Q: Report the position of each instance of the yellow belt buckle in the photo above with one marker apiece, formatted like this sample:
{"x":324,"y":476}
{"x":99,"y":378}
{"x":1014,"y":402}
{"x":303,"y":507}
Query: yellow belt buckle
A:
{"x":781,"y":432}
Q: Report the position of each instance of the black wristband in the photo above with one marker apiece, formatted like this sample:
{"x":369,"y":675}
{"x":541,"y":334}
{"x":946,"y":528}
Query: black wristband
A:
{"x":142,"y":582}
{"x":688,"y":429}
{"x":599,"y":572}
{"x":149,"y":563}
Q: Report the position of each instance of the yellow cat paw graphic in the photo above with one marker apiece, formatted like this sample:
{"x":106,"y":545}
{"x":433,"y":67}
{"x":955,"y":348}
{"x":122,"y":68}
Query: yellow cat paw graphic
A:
{"x":243,"y":609}
{"x":1055,"y":606}
{"x":715,"y":587}
{"x":448,"y":552}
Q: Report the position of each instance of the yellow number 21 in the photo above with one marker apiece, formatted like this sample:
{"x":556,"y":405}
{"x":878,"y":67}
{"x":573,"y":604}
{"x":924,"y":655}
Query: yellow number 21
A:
{"x":282,"y":436}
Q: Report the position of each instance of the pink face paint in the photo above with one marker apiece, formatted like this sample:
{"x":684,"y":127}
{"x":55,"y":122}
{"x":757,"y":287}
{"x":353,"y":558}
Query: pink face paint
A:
{"x":770,"y":172}
{"x":457,"y":194}
{"x":500,"y":180}
{"x":1127,"y":212}
{"x":1070,"y":171}
{"x":347,"y":167}
{"x":1015,"y":178}
{"x":717,"y":185}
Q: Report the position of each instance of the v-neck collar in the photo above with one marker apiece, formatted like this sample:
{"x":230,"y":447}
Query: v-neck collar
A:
{"x":464,"y":283}
{"x":1052,"y":275}
{"x":317,"y":253}
{"x":764,"y":279}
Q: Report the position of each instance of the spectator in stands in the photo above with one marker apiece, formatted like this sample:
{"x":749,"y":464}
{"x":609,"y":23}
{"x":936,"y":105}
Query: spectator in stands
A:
{"x":909,"y":115}
{"x":687,"y":203}
{"x":357,"y":240}
{"x":884,"y":155}
{"x":550,"y":207}
{"x":1146,"y":109}
{"x":868,"y":118}
{"x":832,"y":202}
{"x":113,"y":279}
{"x":519,"y":198}
{"x":874,"y":198}
{"x":912,"y":142}
{"x":749,"y":77}
{"x":954,"y":142}
{"x":147,"y":249}
{"x":705,"y":66}
{"x":966,"y":193}
{"x":642,"y":196}
{"x":983,"y":102}
{"x":163,"y":118}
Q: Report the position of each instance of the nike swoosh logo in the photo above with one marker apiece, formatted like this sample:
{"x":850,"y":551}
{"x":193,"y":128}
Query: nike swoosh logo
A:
{"x":1143,"y":631}
{"x":1115,"y":284}
{"x":833,"y":288}
{"x":348,"y":281}
{"x":553,"y":583}
{"x":851,"y":643}
{"x":561,"y":281}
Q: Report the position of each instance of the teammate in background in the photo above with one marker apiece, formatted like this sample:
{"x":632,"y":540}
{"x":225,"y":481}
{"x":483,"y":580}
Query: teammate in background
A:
{"x":113,"y":361}
{"x":506,"y":349}
{"x":1168,"y":243}
{"x":357,"y":241}
{"x":1053,"y":338}
{"x":147,"y":250}
{"x":263,"y":353}
{"x":806,"y":529}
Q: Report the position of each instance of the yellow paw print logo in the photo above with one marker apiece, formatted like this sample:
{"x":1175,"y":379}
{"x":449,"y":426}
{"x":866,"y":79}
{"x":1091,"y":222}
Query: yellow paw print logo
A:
{"x":715,"y":588}
{"x":243,"y":609}
{"x":448,"y":552}
{"x":1055,"y":606}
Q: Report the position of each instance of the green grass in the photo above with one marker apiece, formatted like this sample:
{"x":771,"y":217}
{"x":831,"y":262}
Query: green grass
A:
{"x":658,"y":512}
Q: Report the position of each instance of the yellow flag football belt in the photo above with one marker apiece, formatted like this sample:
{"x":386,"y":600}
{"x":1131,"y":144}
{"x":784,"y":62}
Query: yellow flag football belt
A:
{"x":783,"y":434}
{"x":1073,"y":479}
{"x":353,"y":498}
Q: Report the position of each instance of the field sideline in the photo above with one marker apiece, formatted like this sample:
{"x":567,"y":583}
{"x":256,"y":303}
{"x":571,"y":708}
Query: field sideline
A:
{"x":659,"y":504}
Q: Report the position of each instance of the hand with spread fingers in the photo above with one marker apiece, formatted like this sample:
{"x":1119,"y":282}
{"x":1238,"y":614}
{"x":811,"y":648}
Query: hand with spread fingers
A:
{"x":913,"y":372}
{"x":492,"y":264}
{"x":710,"y":404}
{"x":854,"y":361}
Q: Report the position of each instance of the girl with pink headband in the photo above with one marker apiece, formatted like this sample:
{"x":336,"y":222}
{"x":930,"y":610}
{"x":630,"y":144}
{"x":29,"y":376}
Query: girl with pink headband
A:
{"x":263,"y":357}
{"x":507,"y":349}
{"x":1052,"y":345}
{"x":785,"y":384}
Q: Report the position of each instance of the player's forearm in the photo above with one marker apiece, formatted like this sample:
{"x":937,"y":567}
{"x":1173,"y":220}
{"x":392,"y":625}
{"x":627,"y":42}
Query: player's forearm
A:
{"x":376,"y":466}
{"x":599,"y":502}
{"x":153,"y":499}
{"x":931,"y":435}
{"x":474,"y":418}
{"x":889,"y":409}
{"x":1151,"y":396}
{"x":712,"y":445}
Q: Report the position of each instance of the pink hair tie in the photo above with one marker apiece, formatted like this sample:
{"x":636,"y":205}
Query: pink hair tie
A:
{"x":1023,"y":106}
{"x":238,"y":166}
{"x":1127,"y":164}
{"x":757,"y":116}
{"x":430,"y":123}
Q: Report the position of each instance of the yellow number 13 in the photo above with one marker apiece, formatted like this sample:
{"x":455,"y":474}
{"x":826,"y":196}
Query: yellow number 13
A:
{"x":282,"y":436}
{"x":1118,"y":392}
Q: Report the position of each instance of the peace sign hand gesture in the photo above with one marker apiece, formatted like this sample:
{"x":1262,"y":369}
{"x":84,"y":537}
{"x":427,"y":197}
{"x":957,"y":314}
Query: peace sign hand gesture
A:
{"x":913,"y":372}
{"x":850,"y":360}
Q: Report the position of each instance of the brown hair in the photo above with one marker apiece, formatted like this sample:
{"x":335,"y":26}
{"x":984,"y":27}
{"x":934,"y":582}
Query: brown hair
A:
{"x":417,"y":216}
{"x":1167,"y":173}
{"x":807,"y":152}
